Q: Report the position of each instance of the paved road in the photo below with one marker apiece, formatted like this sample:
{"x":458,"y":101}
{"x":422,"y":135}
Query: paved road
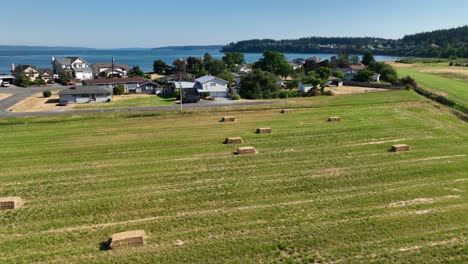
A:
{"x":19,"y":94}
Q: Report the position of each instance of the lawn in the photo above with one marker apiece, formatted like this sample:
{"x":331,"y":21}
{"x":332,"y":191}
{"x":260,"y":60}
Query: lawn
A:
{"x":130,"y":101}
{"x":449,"y":81}
{"x":315,"y":192}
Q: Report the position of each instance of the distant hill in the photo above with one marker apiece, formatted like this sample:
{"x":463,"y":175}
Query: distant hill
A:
{"x":439,"y":43}
{"x":208,"y":47}
{"x":21,"y":47}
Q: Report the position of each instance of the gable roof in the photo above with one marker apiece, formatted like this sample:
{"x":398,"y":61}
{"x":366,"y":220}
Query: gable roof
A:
{"x":85,"y":90}
{"x":184,"y":85}
{"x":209,"y":78}
{"x":22,"y":67}
{"x":69,"y":60}
{"x":97,"y":66}
{"x":114,"y":81}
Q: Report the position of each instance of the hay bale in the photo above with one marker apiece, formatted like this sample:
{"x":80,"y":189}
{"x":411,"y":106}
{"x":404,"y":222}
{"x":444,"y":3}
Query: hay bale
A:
{"x":401,"y":148}
{"x":228,"y":119}
{"x":334,"y":119}
{"x":264,"y":130}
{"x":285,"y":111}
{"x":246,"y":151}
{"x":127,"y":239}
{"x":233,"y":140}
{"x":10,"y":203}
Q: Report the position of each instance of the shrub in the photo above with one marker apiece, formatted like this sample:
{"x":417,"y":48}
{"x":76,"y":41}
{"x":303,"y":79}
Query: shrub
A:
{"x":206,"y":94}
{"x":46,"y":94}
{"x":328,"y":93}
{"x":235,"y":97}
{"x":119,"y":89}
{"x":311,"y":92}
{"x":409,"y":82}
{"x":451,"y":63}
{"x":41,"y":82}
{"x":287,"y":94}
{"x":176,"y":94}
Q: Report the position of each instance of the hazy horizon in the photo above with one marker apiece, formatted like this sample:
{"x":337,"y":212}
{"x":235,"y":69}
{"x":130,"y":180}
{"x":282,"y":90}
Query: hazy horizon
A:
{"x":151,"y":24}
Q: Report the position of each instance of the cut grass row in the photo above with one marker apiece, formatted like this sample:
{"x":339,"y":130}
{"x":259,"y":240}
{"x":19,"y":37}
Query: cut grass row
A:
{"x":455,"y":89}
{"x":316,"y":191}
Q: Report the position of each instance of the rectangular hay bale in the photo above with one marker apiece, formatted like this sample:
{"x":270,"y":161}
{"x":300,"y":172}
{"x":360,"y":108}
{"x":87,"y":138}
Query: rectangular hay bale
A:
{"x":10,"y":203}
{"x":233,"y":140}
{"x":127,"y":239}
{"x":285,"y":111}
{"x":246,"y":151}
{"x":334,"y":119}
{"x":264,"y":130}
{"x":228,"y":119}
{"x":401,"y":148}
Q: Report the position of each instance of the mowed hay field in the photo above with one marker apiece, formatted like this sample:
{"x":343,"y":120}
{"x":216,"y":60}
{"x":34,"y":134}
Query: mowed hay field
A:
{"x":315,"y":192}
{"x":452,"y":82}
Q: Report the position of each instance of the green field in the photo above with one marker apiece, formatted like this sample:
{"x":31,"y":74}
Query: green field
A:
{"x":315,"y":192}
{"x":149,"y":100}
{"x":451,"y":82}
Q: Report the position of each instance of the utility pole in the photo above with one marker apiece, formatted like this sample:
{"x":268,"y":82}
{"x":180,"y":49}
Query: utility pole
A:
{"x":112,"y":66}
{"x":180,"y":87}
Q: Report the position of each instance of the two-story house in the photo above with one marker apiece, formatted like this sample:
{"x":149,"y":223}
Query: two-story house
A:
{"x":217,"y":87}
{"x":80,"y":68}
{"x":32,"y":72}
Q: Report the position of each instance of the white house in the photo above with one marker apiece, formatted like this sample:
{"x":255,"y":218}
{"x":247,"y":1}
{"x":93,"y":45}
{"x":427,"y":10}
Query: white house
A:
{"x":215,"y":86}
{"x":108,"y":70}
{"x":305,"y":88}
{"x":80,"y":68}
{"x":376,"y":77}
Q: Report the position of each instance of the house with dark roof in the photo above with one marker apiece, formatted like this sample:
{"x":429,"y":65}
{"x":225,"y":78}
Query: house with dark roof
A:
{"x":107,"y":70}
{"x":85,"y":94}
{"x":129,"y":83}
{"x":30,"y":71}
{"x":80,"y":68}
{"x":215,"y":86}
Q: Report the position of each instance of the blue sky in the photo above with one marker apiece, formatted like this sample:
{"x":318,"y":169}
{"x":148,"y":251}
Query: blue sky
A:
{"x":155,"y":23}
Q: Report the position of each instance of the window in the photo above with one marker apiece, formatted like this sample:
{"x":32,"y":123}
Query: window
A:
{"x":212,"y":84}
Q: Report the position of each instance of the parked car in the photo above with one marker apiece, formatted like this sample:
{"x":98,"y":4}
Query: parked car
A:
{"x":5,"y":84}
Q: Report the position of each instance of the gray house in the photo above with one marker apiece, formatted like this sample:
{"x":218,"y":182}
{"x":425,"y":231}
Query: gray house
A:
{"x":215,"y":86}
{"x":148,"y":88}
{"x":85,"y":94}
{"x":129,"y":83}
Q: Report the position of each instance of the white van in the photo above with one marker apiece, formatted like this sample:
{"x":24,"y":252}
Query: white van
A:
{"x":5,"y":84}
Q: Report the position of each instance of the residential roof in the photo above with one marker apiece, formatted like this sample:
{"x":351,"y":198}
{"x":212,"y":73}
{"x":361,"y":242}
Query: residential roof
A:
{"x":22,"y":67}
{"x":68,"y":60}
{"x":97,"y":66}
{"x":357,"y":67}
{"x":209,"y":78}
{"x":149,"y":83}
{"x":115,"y":81}
{"x":85,"y":90}
{"x":331,"y":78}
{"x":184,"y":85}
{"x":49,"y":71}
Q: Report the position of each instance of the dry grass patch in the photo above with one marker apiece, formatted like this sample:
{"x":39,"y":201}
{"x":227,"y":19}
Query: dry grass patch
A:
{"x":39,"y":103}
{"x":4,"y":95}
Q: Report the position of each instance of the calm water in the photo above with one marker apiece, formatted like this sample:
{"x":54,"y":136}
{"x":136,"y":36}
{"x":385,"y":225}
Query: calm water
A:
{"x":142,"y":58}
